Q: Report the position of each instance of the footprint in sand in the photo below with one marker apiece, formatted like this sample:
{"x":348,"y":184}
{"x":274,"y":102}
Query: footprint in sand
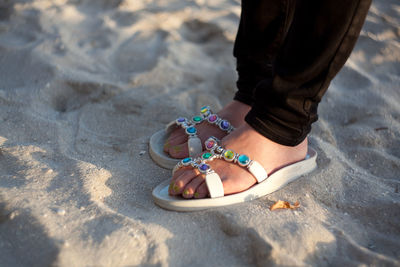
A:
{"x":115,"y":122}
{"x":140,"y":52}
{"x":66,"y":96}
{"x":372,"y":57}
{"x":350,"y":79}
{"x":197,"y":31}
{"x":259,"y":250}
{"x":209,"y":37}
{"x":95,"y":35}
{"x":101,"y":227}
{"x":124,"y":18}
{"x":22,"y":30}
{"x":124,"y":104}
{"x":25,"y":236}
{"x":6,"y":10}
{"x":95,"y":6}
{"x":377,"y":161}
{"x":35,"y":71}
{"x":13,"y":170}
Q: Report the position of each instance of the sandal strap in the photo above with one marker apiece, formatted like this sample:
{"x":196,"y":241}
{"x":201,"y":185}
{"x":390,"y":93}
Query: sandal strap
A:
{"x":213,"y":180}
{"x":207,"y":115}
{"x":254,"y":167}
{"x":194,"y":143}
{"x":257,"y":171}
{"x":213,"y":118}
{"x":194,"y":146}
{"x":214,"y":185}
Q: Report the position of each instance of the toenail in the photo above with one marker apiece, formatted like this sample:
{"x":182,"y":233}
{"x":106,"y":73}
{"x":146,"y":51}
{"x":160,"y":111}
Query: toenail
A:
{"x":171,"y":186}
{"x":186,"y":192}
{"x":177,"y":149}
{"x":176,"y":188}
{"x":196,"y":195}
{"x":167,"y":145}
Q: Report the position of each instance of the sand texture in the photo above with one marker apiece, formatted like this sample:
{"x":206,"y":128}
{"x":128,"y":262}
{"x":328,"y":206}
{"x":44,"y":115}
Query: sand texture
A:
{"x":85,"y":83}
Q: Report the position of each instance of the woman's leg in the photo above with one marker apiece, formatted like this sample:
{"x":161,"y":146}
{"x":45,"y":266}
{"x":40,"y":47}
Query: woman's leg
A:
{"x":318,"y":38}
{"x":287,"y":53}
{"x":262,"y":29}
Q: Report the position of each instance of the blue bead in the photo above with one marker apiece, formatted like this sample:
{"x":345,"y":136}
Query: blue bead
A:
{"x":204,"y":167}
{"x":186,"y":160}
{"x":225,"y":125}
{"x":191,"y":130}
{"x":243,"y":159}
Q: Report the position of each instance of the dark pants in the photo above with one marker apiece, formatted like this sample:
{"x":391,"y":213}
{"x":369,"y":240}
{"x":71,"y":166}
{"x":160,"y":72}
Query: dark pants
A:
{"x":287,"y":53}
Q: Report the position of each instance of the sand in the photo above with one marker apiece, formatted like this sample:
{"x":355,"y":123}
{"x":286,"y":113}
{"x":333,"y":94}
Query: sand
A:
{"x":84,"y":84}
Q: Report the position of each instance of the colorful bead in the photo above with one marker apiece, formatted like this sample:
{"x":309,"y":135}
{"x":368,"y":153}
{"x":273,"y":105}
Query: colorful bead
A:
{"x":210,"y":144}
{"x":191,"y":130}
{"x":186,"y":160}
{"x":181,"y":119}
{"x":203,"y":167}
{"x":204,"y":109}
{"x":229,"y":155}
{"x":212,"y":118}
{"x":197,"y":119}
{"x":243,"y":160}
{"x":224,"y":125}
{"x":206,"y":155}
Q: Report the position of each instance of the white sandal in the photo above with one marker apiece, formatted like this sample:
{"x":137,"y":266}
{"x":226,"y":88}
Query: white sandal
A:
{"x":265,"y":184}
{"x":157,"y":140}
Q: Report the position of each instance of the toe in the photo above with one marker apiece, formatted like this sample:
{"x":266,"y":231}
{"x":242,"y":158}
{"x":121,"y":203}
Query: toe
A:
{"x":201,"y":191}
{"x":179,"y":151}
{"x":167,"y":146}
{"x":191,"y":187}
{"x":179,"y":181}
{"x":177,"y":137}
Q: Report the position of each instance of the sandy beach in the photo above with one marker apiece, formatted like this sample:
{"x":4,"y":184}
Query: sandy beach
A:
{"x":85,"y":83}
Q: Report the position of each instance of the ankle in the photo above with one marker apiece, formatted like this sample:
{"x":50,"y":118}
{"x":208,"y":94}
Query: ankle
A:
{"x":235,"y":111}
{"x":270,"y":154}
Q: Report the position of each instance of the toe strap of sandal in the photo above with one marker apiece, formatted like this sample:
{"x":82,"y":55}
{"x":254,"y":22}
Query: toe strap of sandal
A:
{"x":257,"y":171}
{"x":189,"y":125}
{"x":212,"y":118}
{"x":213,"y":180}
{"x":254,"y":167}
{"x":194,"y":146}
{"x":194,"y":142}
{"x":214,"y":185}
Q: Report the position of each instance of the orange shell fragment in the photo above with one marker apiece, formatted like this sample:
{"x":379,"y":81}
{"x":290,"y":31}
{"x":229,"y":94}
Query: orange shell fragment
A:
{"x":280,"y":204}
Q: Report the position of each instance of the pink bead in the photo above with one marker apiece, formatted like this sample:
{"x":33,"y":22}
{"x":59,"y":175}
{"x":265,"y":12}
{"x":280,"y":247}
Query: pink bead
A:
{"x":210,"y":144}
{"x":212,"y":118}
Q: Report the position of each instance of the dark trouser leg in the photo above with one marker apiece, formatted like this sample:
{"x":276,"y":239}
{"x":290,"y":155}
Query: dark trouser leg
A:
{"x":312,"y":41}
{"x":261,"y":32}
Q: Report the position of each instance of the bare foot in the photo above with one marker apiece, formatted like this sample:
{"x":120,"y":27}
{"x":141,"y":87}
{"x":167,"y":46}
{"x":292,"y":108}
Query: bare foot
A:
{"x":189,"y":183}
{"x":176,"y":145}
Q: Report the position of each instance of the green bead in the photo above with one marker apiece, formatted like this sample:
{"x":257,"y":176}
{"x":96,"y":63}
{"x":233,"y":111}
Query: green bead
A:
{"x":206,"y":155}
{"x":197,"y":119}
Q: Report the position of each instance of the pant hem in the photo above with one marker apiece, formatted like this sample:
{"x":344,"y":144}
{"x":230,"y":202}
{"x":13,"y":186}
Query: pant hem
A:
{"x":244,"y":98}
{"x":268,"y":129}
